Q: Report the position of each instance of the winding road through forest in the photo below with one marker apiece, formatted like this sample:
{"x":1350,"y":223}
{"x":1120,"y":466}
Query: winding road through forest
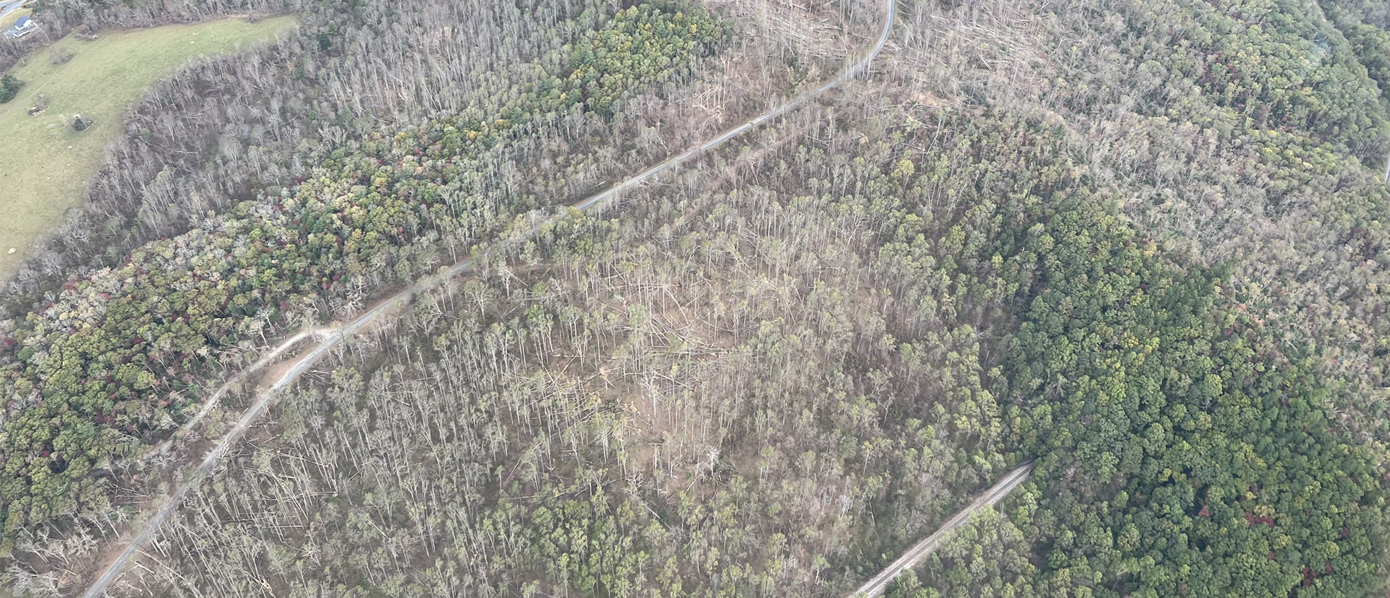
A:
{"x":332,"y":337}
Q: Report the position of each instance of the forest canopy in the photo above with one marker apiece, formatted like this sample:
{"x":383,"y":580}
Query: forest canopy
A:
{"x":95,"y":371}
{"x":1139,"y":245}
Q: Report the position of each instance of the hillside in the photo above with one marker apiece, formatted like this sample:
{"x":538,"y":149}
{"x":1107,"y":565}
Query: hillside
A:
{"x":1138,"y":244}
{"x":47,"y":164}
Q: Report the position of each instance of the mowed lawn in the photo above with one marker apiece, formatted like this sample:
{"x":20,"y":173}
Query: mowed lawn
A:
{"x":44,"y":164}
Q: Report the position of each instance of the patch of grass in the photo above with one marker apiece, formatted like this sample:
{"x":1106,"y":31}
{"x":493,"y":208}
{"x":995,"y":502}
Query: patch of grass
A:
{"x":44,"y":164}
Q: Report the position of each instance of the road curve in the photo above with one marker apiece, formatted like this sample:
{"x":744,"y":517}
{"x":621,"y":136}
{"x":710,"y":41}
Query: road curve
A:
{"x":333,"y":337}
{"x":876,"y":586}
{"x":8,"y":7}
{"x":211,"y":401}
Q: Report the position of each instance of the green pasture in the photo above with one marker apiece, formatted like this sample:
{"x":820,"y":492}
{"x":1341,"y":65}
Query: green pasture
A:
{"x":45,"y":165}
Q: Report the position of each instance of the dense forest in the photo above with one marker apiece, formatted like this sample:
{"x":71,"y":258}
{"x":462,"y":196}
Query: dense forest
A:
{"x":1141,"y":244}
{"x":109,"y":360}
{"x":681,"y":399}
{"x":612,"y":380}
{"x":1233,"y":137}
{"x":95,"y":371}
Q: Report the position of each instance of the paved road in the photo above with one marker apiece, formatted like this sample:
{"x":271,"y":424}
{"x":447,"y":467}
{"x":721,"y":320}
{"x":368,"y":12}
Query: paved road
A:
{"x":9,"y":7}
{"x":876,"y":586}
{"x":333,"y":337}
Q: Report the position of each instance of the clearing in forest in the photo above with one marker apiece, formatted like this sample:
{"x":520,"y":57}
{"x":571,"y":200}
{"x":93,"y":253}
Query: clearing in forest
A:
{"x":44,"y":163}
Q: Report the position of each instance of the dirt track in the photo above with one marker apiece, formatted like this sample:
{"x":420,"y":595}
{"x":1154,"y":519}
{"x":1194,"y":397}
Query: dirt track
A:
{"x":876,"y":586}
{"x":330,"y":338}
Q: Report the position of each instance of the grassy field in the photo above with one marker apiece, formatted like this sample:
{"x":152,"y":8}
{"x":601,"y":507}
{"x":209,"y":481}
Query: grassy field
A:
{"x":44,"y":164}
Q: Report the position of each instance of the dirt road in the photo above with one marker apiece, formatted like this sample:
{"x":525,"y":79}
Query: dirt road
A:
{"x":329,"y":338}
{"x":876,"y":586}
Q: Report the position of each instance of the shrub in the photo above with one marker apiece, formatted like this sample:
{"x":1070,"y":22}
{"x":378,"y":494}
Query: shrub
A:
{"x":9,"y":87}
{"x":60,"y":55}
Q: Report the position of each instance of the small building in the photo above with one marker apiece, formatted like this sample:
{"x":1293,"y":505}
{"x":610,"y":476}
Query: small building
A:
{"x":24,"y":26}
